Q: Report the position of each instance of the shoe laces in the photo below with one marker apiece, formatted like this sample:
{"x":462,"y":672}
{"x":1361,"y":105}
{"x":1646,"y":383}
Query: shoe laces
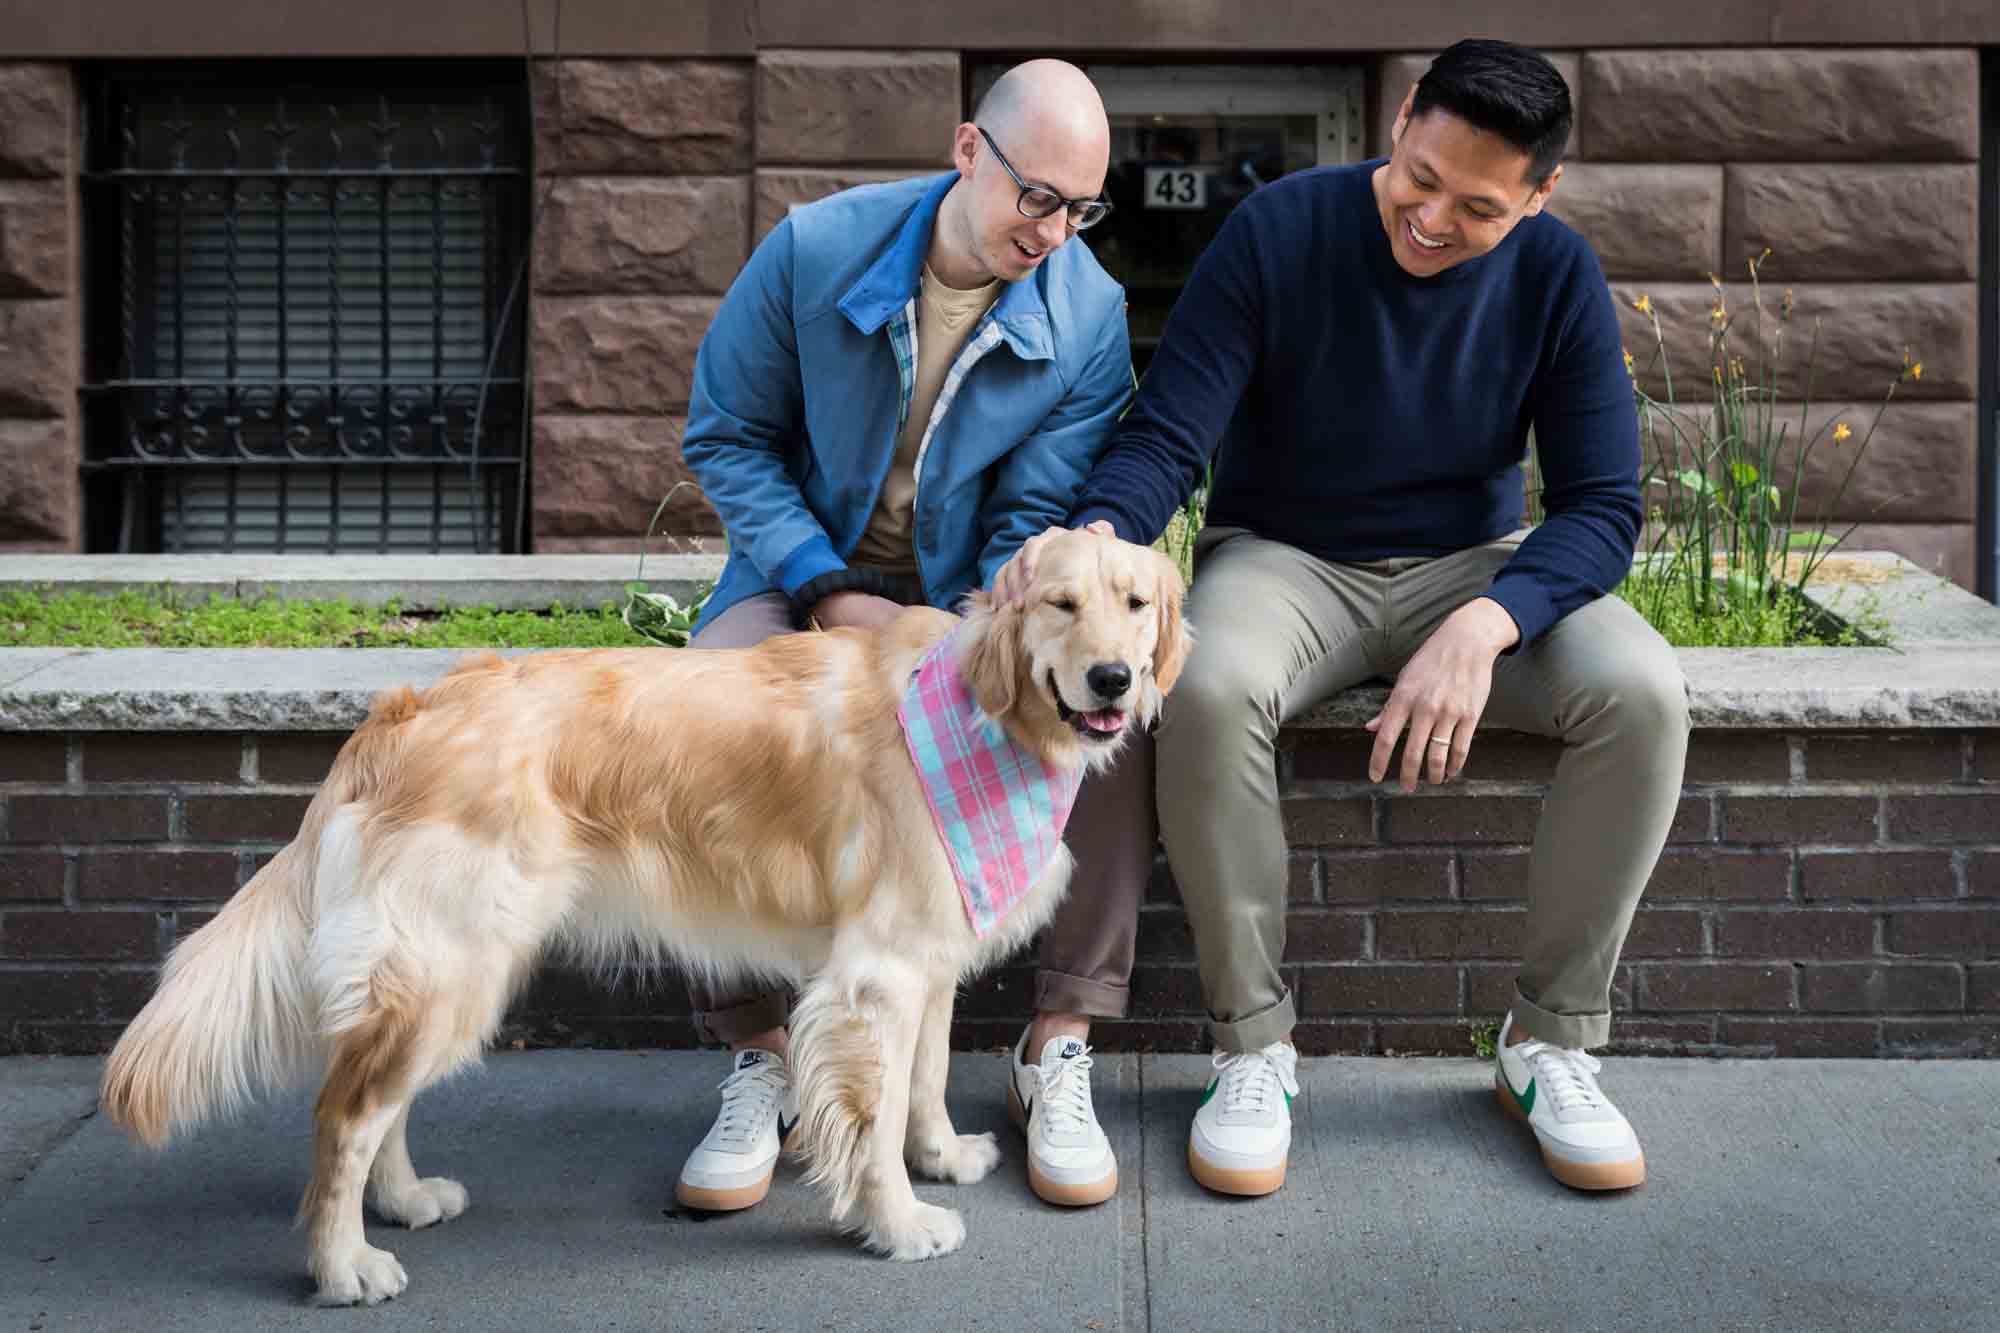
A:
{"x":1066,"y":1095}
{"x":1252,"y":1080}
{"x":750,"y":1096}
{"x":1567,"y":1074}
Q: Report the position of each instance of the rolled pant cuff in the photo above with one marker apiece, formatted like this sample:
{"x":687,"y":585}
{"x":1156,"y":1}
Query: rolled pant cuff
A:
{"x":1258,"y":1030}
{"x":1065,"y":993}
{"x":739,"y":1022}
{"x":1572,"y":1030}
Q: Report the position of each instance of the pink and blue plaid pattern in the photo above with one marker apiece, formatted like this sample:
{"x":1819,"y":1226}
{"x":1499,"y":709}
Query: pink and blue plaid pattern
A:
{"x":999,"y":810}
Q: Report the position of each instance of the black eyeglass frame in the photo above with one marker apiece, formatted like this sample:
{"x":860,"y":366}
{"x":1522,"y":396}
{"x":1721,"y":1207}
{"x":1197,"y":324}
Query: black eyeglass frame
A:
{"x":1067,"y":207}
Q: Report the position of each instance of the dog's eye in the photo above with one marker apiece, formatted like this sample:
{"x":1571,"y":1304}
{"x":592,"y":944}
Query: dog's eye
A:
{"x":1066,"y":605}
{"x":1136,"y":603}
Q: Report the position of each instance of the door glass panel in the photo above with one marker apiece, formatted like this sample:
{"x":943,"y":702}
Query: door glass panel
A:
{"x":1173,"y":178}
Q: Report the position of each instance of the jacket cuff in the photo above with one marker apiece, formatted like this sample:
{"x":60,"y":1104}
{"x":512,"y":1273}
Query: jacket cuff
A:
{"x":808,"y":560}
{"x":875,"y":582}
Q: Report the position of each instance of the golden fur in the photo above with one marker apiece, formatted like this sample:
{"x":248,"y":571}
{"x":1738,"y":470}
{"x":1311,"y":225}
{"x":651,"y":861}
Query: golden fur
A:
{"x":735,"y":812}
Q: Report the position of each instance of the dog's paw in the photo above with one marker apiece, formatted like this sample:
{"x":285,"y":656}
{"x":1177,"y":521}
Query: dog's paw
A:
{"x":924,"y":1232}
{"x":369,"y":1277}
{"x":433,"y":1199}
{"x":962,"y":1159}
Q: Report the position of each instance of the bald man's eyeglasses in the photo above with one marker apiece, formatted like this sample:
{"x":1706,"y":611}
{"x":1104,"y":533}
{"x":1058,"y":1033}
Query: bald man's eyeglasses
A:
{"x":1039,"y":201}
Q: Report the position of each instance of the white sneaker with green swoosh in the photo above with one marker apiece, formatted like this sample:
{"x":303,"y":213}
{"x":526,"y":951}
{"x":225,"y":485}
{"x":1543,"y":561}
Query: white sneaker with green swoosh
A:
{"x":1242,"y":1133}
{"x":1586,"y":1142}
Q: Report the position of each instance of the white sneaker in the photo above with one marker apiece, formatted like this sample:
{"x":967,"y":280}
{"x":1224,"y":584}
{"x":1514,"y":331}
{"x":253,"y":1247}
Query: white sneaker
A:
{"x":1069,"y":1158}
{"x":1586,"y":1142}
{"x":731,"y":1168}
{"x":1242,"y":1134}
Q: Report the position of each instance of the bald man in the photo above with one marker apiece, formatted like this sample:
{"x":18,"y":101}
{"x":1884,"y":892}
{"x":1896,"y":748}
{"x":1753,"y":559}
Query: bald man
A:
{"x":905,"y":383}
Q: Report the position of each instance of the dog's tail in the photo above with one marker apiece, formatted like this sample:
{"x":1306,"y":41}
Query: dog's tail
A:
{"x":836,"y":1046}
{"x":231,"y":1017}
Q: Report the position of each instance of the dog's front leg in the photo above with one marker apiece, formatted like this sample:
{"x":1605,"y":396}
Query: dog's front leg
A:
{"x":398,"y":1194}
{"x":933,"y":1147}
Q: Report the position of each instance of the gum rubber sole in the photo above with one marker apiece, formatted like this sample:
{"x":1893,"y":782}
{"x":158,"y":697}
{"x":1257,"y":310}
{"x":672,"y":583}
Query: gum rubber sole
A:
{"x":1576,"y":1175}
{"x":1063,"y":1193}
{"x":1248,"y":1182}
{"x":723,"y":1201}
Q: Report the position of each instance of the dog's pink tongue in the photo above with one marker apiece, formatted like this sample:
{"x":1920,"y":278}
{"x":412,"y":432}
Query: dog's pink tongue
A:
{"x":1108,"y":719}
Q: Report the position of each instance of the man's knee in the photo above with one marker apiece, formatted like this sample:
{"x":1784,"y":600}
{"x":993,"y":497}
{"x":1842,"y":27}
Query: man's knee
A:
{"x":1641,"y":690}
{"x":1219,"y":691}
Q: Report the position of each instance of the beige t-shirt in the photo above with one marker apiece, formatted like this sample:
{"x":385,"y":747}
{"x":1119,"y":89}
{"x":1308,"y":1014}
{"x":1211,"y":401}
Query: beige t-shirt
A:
{"x":945,"y":319}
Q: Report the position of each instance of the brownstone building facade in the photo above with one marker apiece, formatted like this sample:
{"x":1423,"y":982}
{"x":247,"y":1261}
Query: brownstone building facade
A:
{"x":188,"y":202}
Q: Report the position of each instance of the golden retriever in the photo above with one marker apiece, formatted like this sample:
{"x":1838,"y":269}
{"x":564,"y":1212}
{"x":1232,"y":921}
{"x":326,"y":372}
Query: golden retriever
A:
{"x":751,"y":811}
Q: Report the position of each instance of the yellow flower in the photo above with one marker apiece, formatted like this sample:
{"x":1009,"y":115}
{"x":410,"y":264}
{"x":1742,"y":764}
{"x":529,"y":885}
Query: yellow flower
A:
{"x":1644,"y":305}
{"x":1628,"y":361}
{"x":1718,"y":314}
{"x":1841,"y":431}
{"x":1917,"y":371}
{"x":1718,"y":374}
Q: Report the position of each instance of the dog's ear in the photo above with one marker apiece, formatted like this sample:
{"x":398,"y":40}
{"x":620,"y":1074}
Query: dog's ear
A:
{"x":992,"y":661}
{"x":1170,"y":649}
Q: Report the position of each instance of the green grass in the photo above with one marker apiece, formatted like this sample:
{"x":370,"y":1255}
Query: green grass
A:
{"x":146,"y":619}
{"x":151,"y":619}
{"x":1746,"y":622}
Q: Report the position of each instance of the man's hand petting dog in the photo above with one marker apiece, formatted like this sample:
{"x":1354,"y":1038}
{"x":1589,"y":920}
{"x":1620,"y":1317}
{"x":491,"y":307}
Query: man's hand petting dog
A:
{"x":856,"y":610}
{"x":1441,"y":693}
{"x":1011,"y":584}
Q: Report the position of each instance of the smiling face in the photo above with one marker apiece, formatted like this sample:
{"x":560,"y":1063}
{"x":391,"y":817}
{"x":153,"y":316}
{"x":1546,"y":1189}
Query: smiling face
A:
{"x":1093,"y":624}
{"x":982,"y":230}
{"x":1093,"y":651}
{"x":1451,"y":192}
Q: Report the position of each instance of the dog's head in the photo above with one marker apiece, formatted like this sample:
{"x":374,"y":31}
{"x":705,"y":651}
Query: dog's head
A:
{"x":1092,"y":653}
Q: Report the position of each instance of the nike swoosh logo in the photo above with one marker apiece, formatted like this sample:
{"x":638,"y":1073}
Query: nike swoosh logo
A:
{"x":1526,"y":1099}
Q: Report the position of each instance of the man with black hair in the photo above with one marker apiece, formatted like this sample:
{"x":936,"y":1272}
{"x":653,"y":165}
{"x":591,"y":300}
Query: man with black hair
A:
{"x":1363,"y":350}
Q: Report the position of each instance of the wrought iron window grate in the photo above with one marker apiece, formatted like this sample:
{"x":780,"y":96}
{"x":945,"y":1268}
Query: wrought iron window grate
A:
{"x":295,"y":277}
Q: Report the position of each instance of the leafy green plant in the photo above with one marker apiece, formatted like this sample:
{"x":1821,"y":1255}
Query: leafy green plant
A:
{"x":659,"y":617}
{"x":1728,"y":552}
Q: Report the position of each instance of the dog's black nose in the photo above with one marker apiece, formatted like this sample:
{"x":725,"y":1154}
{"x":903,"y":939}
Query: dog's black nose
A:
{"x":1110,"y":680}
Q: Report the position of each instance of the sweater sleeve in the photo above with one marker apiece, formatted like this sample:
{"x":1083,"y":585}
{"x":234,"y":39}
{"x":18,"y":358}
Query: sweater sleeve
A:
{"x":1204,"y":361}
{"x":1587,"y":445}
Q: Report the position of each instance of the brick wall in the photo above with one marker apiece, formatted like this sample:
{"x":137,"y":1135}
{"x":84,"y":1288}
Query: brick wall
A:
{"x":1823,"y":895}
{"x":661,"y":176}
{"x":40,"y":507}
{"x":1857,"y":166}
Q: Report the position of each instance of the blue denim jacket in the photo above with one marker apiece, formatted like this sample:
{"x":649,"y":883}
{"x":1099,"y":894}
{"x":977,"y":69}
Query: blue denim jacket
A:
{"x":803,"y":381}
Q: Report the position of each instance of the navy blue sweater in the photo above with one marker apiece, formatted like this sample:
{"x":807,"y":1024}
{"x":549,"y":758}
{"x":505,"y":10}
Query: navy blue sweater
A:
{"x":1361,"y":413}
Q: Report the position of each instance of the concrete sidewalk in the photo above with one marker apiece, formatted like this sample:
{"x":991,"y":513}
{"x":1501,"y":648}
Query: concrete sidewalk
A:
{"x":1783,"y":1195}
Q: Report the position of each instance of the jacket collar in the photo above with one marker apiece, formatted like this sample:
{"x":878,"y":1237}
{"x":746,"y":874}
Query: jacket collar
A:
{"x":889,"y":284}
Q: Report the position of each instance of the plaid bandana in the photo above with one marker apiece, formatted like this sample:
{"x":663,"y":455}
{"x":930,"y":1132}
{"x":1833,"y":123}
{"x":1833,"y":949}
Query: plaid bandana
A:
{"x":999,"y":810}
